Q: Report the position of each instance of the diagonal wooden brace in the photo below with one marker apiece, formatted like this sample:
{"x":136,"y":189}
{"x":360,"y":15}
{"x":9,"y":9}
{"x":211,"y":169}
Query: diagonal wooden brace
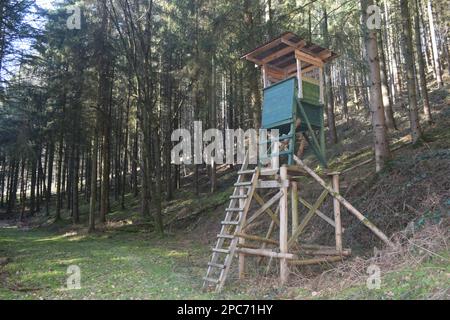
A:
{"x":345,"y":203}
{"x":307,"y":218}
{"x":264,"y":208}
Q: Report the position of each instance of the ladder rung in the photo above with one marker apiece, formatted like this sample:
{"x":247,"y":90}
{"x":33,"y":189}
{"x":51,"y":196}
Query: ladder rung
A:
{"x":289,"y":136}
{"x":234,"y":209}
{"x":225,"y":236}
{"x":282,"y":153}
{"x":221,"y":250}
{"x":216,"y":265}
{"x":246,"y":172}
{"x":230,"y":223}
{"x":239,"y":197}
{"x":211,"y":280}
{"x":243,"y":184}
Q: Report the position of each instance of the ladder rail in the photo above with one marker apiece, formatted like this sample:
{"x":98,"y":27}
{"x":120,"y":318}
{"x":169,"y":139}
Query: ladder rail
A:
{"x":234,"y":242}
{"x":232,"y":203}
{"x":231,"y":228}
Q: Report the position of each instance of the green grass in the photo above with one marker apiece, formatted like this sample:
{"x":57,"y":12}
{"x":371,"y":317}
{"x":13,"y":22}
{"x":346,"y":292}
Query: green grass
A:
{"x":113,"y":266}
{"x":139,"y":266}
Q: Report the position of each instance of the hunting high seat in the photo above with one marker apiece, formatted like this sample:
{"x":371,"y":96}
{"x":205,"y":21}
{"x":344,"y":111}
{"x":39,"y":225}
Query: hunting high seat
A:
{"x":292,"y":75}
{"x":258,"y":220}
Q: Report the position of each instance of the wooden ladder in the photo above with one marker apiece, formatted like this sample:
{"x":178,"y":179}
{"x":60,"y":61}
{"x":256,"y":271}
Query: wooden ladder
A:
{"x":235,"y":217}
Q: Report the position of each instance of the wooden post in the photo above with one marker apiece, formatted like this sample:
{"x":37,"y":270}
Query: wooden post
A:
{"x":284,"y":271}
{"x":299,"y":78}
{"x":264,"y":76}
{"x":275,"y":159}
{"x":337,"y":212}
{"x":241,"y":240}
{"x":294,"y":204}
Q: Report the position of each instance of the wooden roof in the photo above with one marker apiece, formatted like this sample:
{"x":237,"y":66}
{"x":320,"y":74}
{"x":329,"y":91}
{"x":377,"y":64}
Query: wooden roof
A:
{"x":280,"y":53}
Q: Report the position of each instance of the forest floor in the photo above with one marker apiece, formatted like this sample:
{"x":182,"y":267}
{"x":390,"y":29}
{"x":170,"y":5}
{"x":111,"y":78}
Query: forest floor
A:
{"x":127,"y":260}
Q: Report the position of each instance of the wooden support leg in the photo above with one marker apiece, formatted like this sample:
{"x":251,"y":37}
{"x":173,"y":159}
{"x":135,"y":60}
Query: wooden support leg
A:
{"x":337,"y":213}
{"x":241,"y":240}
{"x":275,"y":160}
{"x":284,"y":271}
{"x":294,"y":204}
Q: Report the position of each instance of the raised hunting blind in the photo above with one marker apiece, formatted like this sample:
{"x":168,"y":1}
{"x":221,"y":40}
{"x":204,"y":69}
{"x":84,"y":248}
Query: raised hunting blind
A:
{"x":259,"y":220}
{"x":292,"y":76}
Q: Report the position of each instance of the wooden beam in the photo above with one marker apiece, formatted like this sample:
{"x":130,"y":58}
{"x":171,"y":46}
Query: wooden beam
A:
{"x":262,"y":184}
{"x":299,"y":78}
{"x":326,"y":252}
{"x":256,"y":238}
{"x":277,"y":54}
{"x":268,"y":210}
{"x":274,"y":69}
{"x":325,"y":54}
{"x":268,"y":46}
{"x":315,"y":261}
{"x":241,"y":241}
{"x":299,"y":45}
{"x":256,"y":61}
{"x":266,"y":253}
{"x":308,"y":58}
{"x":294,"y":205}
{"x":261,"y":210}
{"x":295,"y":170}
{"x":246,"y":206}
{"x":337,"y":213}
{"x":318,"y":212}
{"x":346,"y":204}
{"x":275,"y":74}
{"x":284,"y":270}
{"x":264,"y":76}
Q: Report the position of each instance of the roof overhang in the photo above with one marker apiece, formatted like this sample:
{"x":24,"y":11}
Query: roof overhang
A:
{"x":281,"y":54}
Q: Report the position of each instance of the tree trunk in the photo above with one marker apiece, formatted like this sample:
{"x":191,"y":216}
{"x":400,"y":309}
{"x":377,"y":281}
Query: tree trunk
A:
{"x":387,"y":96}
{"x":2,"y":181}
{"x":23,"y":190}
{"x":125,"y":156}
{"x":416,"y":131}
{"x":105,"y":78}
{"x":58,"y":180}
{"x":76,"y":181}
{"x":329,"y":88}
{"x":93,"y":200}
{"x":33,"y":185}
{"x":382,"y":152}
{"x":51,"y":158}
{"x":421,"y":65}
{"x":213,"y":120}
{"x":437,"y":64}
